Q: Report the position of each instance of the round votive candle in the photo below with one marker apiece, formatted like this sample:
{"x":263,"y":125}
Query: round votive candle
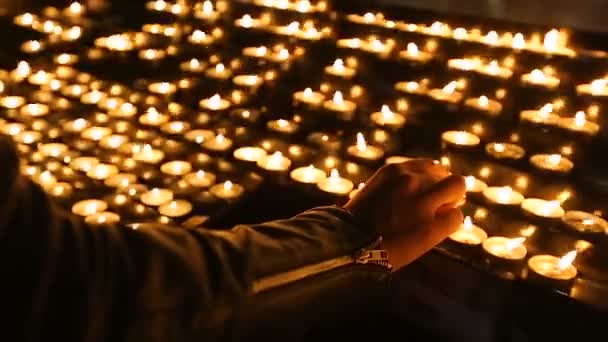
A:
{"x":120,"y":180}
{"x":274,"y":162}
{"x":335,"y":184}
{"x":539,"y":78}
{"x":200,"y":179}
{"x":282,"y":126}
{"x":105,"y":218}
{"x":469,"y":234}
{"x":542,"y":208}
{"x":446,"y":94}
{"x":412,"y":53}
{"x":362,"y":150}
{"x":176,"y":168}
{"x":162,"y":88}
{"x":308,"y":175}
{"x":505,"y":151}
{"x":218,"y":144}
{"x":553,"y":271}
{"x":387,"y":118}
{"x":460,"y":139}
{"x":147,"y":154}
{"x":12,"y":102}
{"x":585,"y":223}
{"x":89,"y":207}
{"x":219,"y":71}
{"x":597,"y":87}
{"x":249,"y":153}
{"x":309,"y":97}
{"x":227,"y":190}
{"x":153,"y":118}
{"x":248,"y":81}
{"x":215,"y":103}
{"x":156,"y":197}
{"x":102,"y":171}
{"x":552,"y":162}
{"x":339,"y":104}
{"x":84,"y":164}
{"x":175,"y":208}
{"x":484,"y":104}
{"x":506,"y":248}
{"x":338,"y":69}
{"x":504,"y":195}
{"x":579,"y":123}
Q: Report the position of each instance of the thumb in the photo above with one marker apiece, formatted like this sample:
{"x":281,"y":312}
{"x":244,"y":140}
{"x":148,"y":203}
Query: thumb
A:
{"x":449,"y":191}
{"x":409,"y":246}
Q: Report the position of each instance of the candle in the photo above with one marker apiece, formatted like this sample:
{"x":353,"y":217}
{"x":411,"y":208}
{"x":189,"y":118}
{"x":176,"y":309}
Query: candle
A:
{"x":469,"y":234}
{"x":249,"y":154}
{"x":579,"y":123}
{"x":219,"y":144}
{"x":102,"y":171}
{"x":60,"y":190}
{"x":505,"y":248}
{"x":176,"y":168}
{"x":484,"y":104}
{"x":34,"y":110}
{"x":493,"y":69}
{"x":25,"y":19}
{"x":66,"y":59}
{"x":246,"y":21}
{"x":162,"y":88}
{"x":92,"y":97}
{"x":464,"y":64}
{"x":597,"y":87}
{"x":152,"y":54}
{"x":475,"y":185}
{"x":227,"y":190}
{"x":200,"y":179}
{"x":175,"y":127}
{"x":84,"y":164}
{"x":335,"y":184}
{"x":309,"y":97}
{"x":274,"y":162}
{"x":120,"y":180}
{"x":586,"y":223}
{"x":308,"y":175}
{"x":540,"y":78}
{"x":552,"y":162}
{"x":338,"y":104}
{"x":54,"y":150}
{"x":219,"y":71}
{"x":176,"y":208}
{"x":249,"y":81}
{"x":504,"y":195}
{"x":114,"y":141}
{"x":194,"y":66}
{"x":387,"y":118}
{"x":550,"y":269}
{"x":28,"y":137}
{"x":215,"y":103}
{"x":199,"y":135}
{"x":95,"y":133}
{"x":102,"y":219}
{"x":12,"y":128}
{"x":282,"y":126}
{"x":460,"y":138}
{"x":156,"y":197}
{"x":364,"y":151}
{"x":199,"y":37}
{"x":377,"y":46}
{"x":340,"y":70}
{"x":12,"y":102}
{"x":89,"y":207}
{"x":32,"y":46}
{"x":147,"y":154}
{"x":41,"y":77}
{"x":505,"y":151}
{"x":206,"y":11}
{"x":46,"y":179}
{"x":447,"y":93}
{"x":544,"y":115}
{"x":412,"y":53}
{"x":153,"y":118}
{"x":541,"y":208}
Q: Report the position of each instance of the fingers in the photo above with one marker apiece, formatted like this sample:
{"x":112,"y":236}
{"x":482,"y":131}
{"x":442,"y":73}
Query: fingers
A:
{"x":449,"y":191}
{"x":410,"y":245}
{"x":427,"y":167}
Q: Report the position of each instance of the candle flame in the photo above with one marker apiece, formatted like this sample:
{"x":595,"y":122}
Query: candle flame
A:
{"x":528,"y":231}
{"x":467,"y":223}
{"x":339,"y":64}
{"x":387,"y":113}
{"x":361,"y":143}
{"x":504,"y":193}
{"x":554,"y":159}
{"x":598,"y":86}
{"x":23,"y":69}
{"x":228,"y":185}
{"x":308,"y":92}
{"x":220,"y":68}
{"x":498,"y":147}
{"x":75,"y":7}
{"x":545,"y":111}
{"x":514,"y":243}
{"x":519,"y":42}
{"x":551,"y":41}
{"x":483,"y":101}
{"x":207,"y":7}
{"x":549,"y":207}
{"x":338,"y":98}
{"x":334,"y":174}
{"x":220,"y":138}
{"x":580,"y":119}
{"x":369,"y":17}
{"x":450,"y":87}
{"x":469,"y":182}
{"x":491,"y":38}
{"x":567,"y":260}
{"x":460,"y":33}
{"x":173,"y":205}
{"x":247,"y":21}
{"x":588,"y":222}
{"x":412,"y":49}
{"x":538,"y":75}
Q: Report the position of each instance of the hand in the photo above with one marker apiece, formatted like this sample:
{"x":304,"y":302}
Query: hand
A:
{"x":413,"y":205}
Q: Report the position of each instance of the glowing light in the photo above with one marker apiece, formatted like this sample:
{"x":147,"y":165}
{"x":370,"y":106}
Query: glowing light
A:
{"x":567,"y":260}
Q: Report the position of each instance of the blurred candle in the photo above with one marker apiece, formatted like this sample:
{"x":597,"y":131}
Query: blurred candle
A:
{"x":460,"y":138}
{"x":102,"y":219}
{"x":503,"y":195}
{"x":541,"y":208}
{"x":579,"y":123}
{"x":474,"y":185}
{"x":505,"y":151}
{"x":175,"y":208}
{"x":412,"y":53}
{"x":156,"y":197}
{"x":469,"y":234}
{"x":447,"y":93}
{"x":310,"y":97}
{"x":387,"y":118}
{"x":335,"y":184}
{"x":340,"y":70}
{"x":89,"y":207}
{"x":219,"y":144}
{"x":215,"y":103}
{"x":364,"y":151}
{"x":338,"y":104}
{"x":274,"y":162}
{"x":552,"y":162}
{"x":200,"y":179}
{"x":308,"y":175}
{"x":484,"y":104}
{"x":540,"y":78}
{"x":227,"y":190}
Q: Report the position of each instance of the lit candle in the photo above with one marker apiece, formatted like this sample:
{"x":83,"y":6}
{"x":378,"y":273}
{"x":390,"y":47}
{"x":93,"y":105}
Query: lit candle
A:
{"x":34,"y":110}
{"x":340,"y":70}
{"x":199,"y":135}
{"x":412,"y":53}
{"x":176,"y":168}
{"x":475,"y":185}
{"x":505,"y":151}
{"x":579,"y":123}
{"x":597,"y":87}
{"x":156,"y":197}
{"x":504,"y":195}
{"x":200,"y":179}
{"x":40,"y":77}
{"x":12,"y":102}
{"x":153,"y":118}
{"x":12,"y":128}
{"x":465,"y":64}
{"x":95,"y":133}
{"x":102,"y":171}
{"x":152,"y":54}
{"x":162,"y":88}
{"x":176,"y":208}
{"x":215,"y":103}
{"x":28,"y":137}
{"x":387,"y":118}
{"x":102,"y":219}
{"x":249,"y":153}
{"x":227,"y":190}
{"x":249,"y":81}
{"x":493,"y":69}
{"x":484,"y":104}
{"x":60,"y":190}
{"x":505,"y":248}
{"x":556,"y":271}
{"x":199,"y":37}
{"x":541,"y":208}
{"x":274,"y":162}
{"x":158,"y":5}
{"x":54,"y":150}
{"x":194,"y":66}
{"x":89,"y":207}
{"x":540,"y":78}
{"x":460,"y":138}
{"x":219,"y":71}
{"x":66,"y":59}
{"x":25,"y":19}
{"x":338,"y":104}
{"x":378,"y":47}
{"x":308,"y":175}
{"x":246,"y":21}
{"x":147,"y":154}
{"x":586,"y":223}
{"x":113,"y":142}
{"x":447,"y":93}
{"x":120,"y":180}
{"x":175,"y":127}
{"x":206,"y":11}
{"x":92,"y":97}
{"x":32,"y":46}
{"x":219,"y":144}
{"x":469,"y":234}
{"x":552,"y":162}
{"x":335,"y":184}
{"x":75,"y":9}
{"x":282,"y":126}
{"x":84,"y":164}
{"x":45,"y":179}
{"x":364,"y":151}
{"x":544,"y":115}
{"x":309,"y":97}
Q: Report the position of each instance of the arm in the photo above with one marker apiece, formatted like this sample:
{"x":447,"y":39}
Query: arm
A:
{"x":67,"y":279}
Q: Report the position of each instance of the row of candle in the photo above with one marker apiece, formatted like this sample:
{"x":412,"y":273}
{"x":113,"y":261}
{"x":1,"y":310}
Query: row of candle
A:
{"x":554,"y":42}
{"x":205,"y":10}
{"x":307,"y":30}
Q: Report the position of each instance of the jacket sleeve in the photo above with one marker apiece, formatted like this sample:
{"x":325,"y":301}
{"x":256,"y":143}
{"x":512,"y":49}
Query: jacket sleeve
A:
{"x":68,"y":281}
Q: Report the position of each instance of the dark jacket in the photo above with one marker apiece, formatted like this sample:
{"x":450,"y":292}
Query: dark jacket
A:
{"x":65,"y":281}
